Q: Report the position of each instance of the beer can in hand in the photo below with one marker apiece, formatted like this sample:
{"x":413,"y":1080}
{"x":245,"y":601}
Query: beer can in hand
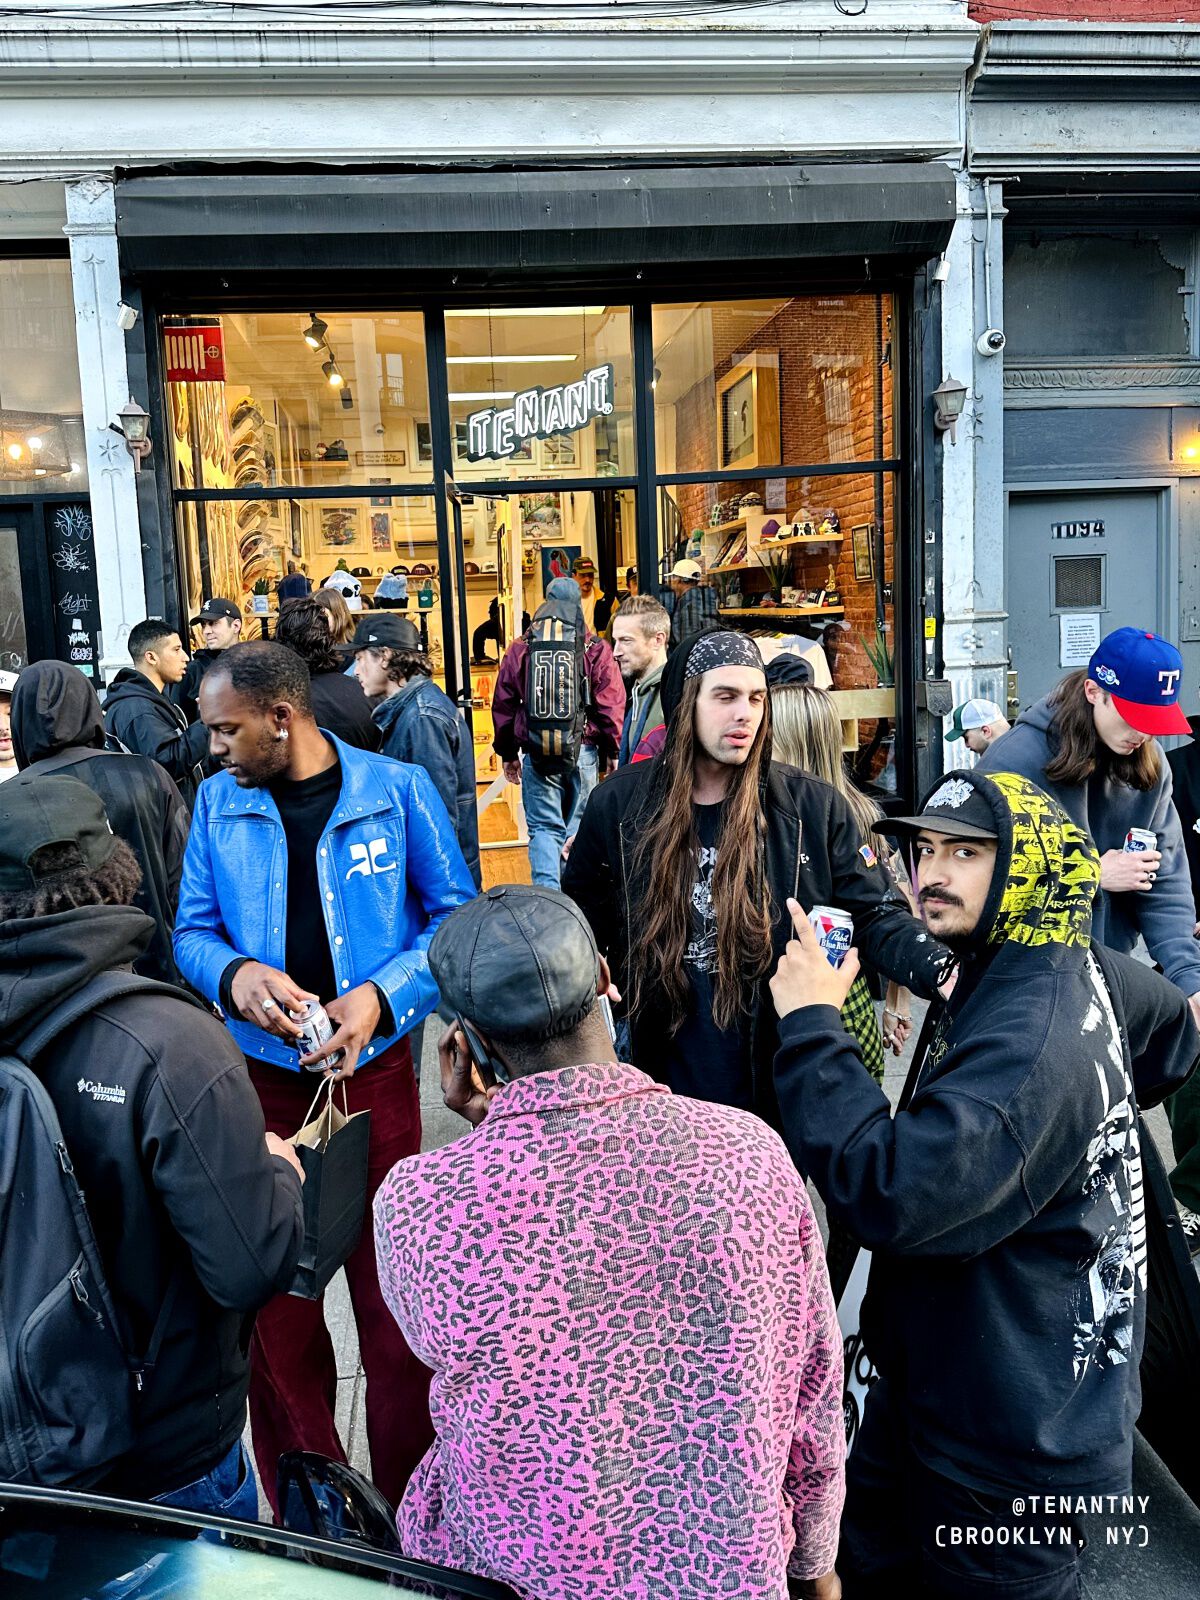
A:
{"x":315,"y":1030}
{"x":834,"y":930}
{"x":1139,"y":839}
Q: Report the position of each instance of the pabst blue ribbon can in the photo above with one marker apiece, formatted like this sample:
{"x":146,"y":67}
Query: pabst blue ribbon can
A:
{"x":315,"y":1030}
{"x":834,"y":930}
{"x":1139,"y":839}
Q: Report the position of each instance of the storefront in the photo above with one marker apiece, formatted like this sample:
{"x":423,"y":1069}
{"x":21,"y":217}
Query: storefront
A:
{"x":48,"y":593}
{"x":391,"y":374}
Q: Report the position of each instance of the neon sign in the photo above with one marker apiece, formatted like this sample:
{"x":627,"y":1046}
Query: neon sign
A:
{"x":538,"y":413}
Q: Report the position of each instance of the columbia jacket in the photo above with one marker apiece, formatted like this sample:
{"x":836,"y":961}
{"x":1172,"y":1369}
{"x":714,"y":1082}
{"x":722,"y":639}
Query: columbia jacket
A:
{"x":57,"y":726}
{"x":166,"y":1135}
{"x":1004,"y":1202}
{"x":605,"y":711}
{"x":1165,"y":915}
{"x":419,"y":724}
{"x":145,"y":721}
{"x":390,"y":869}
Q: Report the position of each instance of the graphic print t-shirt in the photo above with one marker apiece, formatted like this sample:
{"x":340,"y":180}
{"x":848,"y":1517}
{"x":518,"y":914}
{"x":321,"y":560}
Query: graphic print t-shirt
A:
{"x":707,"y":1062}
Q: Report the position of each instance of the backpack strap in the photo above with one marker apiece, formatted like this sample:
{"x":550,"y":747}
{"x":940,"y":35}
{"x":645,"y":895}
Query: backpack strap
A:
{"x":69,"y":757}
{"x":98,"y":991}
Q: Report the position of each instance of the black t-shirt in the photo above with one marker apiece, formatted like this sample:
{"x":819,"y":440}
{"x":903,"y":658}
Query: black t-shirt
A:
{"x":704,"y":1061}
{"x":341,"y":707}
{"x":305,"y":808}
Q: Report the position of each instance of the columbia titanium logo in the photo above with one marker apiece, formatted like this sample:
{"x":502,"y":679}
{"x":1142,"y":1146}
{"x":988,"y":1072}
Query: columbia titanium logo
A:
{"x":111,"y":1093}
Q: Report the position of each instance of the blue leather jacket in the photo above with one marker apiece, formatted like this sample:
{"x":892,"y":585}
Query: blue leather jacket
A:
{"x":390,"y":872}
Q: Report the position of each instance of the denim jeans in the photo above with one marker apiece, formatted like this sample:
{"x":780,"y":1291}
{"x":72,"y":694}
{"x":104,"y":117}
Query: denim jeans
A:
{"x":554,"y":803}
{"x":229,"y":1490}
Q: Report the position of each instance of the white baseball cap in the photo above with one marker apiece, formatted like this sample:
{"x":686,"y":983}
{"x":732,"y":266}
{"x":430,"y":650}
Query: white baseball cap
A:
{"x":973,"y":714}
{"x":8,"y":682}
{"x":689,"y":571}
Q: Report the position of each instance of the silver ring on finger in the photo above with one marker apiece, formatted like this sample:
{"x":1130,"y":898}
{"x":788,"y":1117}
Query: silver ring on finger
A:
{"x":268,"y":1004}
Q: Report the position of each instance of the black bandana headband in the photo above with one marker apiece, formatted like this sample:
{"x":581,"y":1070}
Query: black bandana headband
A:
{"x":722,"y":650}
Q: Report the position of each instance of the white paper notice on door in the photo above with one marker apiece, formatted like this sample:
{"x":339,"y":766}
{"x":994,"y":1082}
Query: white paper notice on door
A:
{"x":1078,"y":637}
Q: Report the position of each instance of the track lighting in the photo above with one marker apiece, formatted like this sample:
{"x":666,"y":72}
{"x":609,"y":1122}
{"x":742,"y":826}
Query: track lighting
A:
{"x":332,"y":375}
{"x":314,"y":334}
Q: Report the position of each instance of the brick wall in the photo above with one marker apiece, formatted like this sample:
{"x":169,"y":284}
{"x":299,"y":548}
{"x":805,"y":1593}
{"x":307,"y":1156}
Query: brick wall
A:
{"x":829,"y":355}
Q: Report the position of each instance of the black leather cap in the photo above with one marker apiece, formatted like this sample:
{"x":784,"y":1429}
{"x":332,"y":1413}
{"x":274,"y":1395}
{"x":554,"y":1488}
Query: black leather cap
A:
{"x":515,"y":961}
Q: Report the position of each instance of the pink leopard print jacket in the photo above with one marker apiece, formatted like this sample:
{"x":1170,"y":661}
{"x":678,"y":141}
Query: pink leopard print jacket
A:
{"x":637,"y":1365}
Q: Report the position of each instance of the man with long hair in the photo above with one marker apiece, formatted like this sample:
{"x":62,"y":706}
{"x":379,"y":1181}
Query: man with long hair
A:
{"x":684,"y":865}
{"x":1091,"y":744}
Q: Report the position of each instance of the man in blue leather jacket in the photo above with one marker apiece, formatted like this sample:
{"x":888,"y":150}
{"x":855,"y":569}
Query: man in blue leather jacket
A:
{"x":317,"y":871}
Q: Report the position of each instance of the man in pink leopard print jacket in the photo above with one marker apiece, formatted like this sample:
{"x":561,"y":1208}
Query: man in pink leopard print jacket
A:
{"x":623,"y":1298}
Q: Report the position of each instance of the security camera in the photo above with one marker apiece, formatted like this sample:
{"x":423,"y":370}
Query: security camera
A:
{"x":126,"y":316}
{"x":991,"y":342}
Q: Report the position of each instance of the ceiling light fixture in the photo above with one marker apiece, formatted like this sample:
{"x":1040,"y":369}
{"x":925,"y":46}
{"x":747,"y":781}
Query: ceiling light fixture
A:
{"x":35,"y":442}
{"x":15,"y":451}
{"x":332,"y":375}
{"x":529,"y":311}
{"x":314,"y":334}
{"x":506,"y":361}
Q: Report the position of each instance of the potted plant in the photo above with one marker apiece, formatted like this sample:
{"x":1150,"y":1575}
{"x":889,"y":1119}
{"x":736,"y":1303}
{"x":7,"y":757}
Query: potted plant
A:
{"x":881,"y":656}
{"x":778,"y":567}
{"x":260,"y":597}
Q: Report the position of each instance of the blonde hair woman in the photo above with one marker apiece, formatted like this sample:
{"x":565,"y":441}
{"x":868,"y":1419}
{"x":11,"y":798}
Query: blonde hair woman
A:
{"x":807,"y":733}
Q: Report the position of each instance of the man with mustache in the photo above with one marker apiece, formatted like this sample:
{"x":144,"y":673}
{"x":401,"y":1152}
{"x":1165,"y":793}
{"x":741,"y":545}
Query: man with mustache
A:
{"x":1003,"y":1203}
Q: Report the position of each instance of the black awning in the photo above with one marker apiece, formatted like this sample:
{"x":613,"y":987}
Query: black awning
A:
{"x":503,"y":225}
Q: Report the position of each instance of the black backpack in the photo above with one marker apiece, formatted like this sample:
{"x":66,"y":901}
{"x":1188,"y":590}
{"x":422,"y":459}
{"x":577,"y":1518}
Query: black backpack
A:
{"x":68,"y":1383}
{"x":556,"y":687}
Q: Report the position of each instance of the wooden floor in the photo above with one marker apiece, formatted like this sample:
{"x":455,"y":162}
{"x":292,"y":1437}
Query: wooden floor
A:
{"x":501,"y":866}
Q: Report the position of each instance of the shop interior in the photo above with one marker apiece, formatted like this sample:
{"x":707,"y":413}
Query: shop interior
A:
{"x":337,"y":406}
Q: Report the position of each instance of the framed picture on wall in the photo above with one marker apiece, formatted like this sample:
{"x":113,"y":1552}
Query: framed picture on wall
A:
{"x":423,"y":440}
{"x":861,"y":542}
{"x":558,"y":452}
{"x":381,"y":530}
{"x":748,"y":412}
{"x":339,"y":526}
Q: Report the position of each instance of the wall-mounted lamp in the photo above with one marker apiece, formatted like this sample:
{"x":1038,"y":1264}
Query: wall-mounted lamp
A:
{"x":948,"y":398}
{"x":126,"y":316}
{"x":314,"y":334}
{"x":133,"y":424}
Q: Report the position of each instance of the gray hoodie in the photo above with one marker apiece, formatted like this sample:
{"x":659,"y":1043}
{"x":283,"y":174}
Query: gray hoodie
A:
{"x":1164,"y":915}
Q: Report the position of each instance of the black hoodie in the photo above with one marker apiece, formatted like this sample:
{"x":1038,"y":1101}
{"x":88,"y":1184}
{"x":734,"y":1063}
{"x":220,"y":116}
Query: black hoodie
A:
{"x":166,"y":1135}
{"x":814,"y":852}
{"x":1003,"y":1204}
{"x":144,"y":720}
{"x":58,"y":727}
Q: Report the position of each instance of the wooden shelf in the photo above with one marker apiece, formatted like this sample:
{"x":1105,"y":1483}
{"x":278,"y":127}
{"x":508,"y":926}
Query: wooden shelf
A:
{"x":735,"y":566}
{"x":724,"y":527}
{"x":780,"y":611}
{"x":808,"y":538}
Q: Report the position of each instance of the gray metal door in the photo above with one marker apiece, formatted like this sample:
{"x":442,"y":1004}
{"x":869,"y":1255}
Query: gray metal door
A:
{"x":1077,"y":562}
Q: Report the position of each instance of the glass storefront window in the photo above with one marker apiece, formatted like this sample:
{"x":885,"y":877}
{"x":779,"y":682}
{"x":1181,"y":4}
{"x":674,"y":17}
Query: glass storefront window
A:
{"x":740,"y":384}
{"x":540,"y":393}
{"x":41,"y":408}
{"x":807,"y":564}
{"x":298,"y":400}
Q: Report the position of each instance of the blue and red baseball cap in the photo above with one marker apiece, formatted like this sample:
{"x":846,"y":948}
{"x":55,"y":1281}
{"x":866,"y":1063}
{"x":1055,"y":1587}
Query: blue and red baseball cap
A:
{"x":1144,"y":675}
